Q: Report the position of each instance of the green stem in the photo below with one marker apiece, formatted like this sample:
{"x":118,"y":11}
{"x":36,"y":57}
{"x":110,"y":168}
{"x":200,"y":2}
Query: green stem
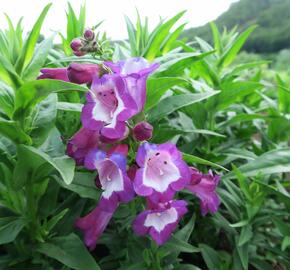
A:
{"x":31,"y":207}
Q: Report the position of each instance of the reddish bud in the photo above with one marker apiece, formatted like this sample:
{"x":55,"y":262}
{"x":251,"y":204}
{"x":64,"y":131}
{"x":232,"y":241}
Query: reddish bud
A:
{"x":142,"y":131}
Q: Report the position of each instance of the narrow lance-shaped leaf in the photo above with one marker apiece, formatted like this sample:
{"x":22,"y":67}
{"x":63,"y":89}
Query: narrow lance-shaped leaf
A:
{"x":29,"y":45}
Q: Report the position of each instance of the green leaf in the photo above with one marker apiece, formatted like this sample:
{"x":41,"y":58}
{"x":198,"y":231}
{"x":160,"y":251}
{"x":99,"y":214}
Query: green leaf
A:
{"x":243,"y":252}
{"x":12,"y":131}
{"x":173,"y":65}
{"x":176,"y":244}
{"x":193,"y":159}
{"x":43,"y":119}
{"x":155,"y":42}
{"x":83,"y":184}
{"x":10,"y":228}
{"x":70,"y":107}
{"x":38,"y":60}
{"x":157,"y":87}
{"x":6,"y":99}
{"x":283,"y":95}
{"x":70,"y":251}
{"x":216,"y":37}
{"x":29,"y":45}
{"x":210,"y":257}
{"x":245,"y":236}
{"x":32,"y":161}
{"x":285,"y":243}
{"x":275,"y":161}
{"x":31,"y":93}
{"x":282,"y":226}
{"x":173,"y":103}
{"x":230,"y":54}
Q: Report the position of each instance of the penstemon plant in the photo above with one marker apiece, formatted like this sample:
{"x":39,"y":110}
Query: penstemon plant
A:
{"x":148,"y":153}
{"x":113,"y":124}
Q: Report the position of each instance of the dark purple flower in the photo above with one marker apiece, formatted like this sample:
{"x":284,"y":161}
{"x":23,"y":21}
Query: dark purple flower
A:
{"x":81,"y":143}
{"x":94,"y":224}
{"x":161,"y":221}
{"x":89,"y":34}
{"x":108,"y":107}
{"x":82,"y":73}
{"x":116,"y":185}
{"x":162,"y":171}
{"x":54,"y":73}
{"x":204,"y":187}
{"x":135,"y":71}
{"x":142,"y":131}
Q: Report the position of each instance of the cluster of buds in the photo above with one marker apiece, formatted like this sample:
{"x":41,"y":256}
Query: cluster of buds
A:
{"x":86,"y":44}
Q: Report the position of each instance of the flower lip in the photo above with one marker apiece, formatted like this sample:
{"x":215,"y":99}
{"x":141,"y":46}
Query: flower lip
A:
{"x":204,"y":187}
{"x":161,"y":221}
{"x":113,"y":179}
{"x":162,"y":171}
{"x":108,"y":107}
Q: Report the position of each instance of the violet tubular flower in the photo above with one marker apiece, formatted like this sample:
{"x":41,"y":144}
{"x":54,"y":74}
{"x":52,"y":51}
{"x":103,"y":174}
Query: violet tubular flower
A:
{"x":82,"y":143}
{"x":113,"y":178}
{"x":160,"y":222}
{"x":135,"y":71}
{"x":82,"y":73}
{"x":94,"y":224}
{"x":54,"y":73}
{"x":162,"y":171}
{"x":108,"y":107}
{"x":204,"y":187}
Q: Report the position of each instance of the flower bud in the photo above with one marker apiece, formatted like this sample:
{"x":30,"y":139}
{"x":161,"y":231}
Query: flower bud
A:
{"x":54,"y":73}
{"x":89,"y":34}
{"x":142,"y":131}
{"x":76,"y":44}
{"x":82,"y":73}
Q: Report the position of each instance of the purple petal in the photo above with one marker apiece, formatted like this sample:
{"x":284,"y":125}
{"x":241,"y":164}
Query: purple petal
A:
{"x":54,"y":73}
{"x":93,"y":225}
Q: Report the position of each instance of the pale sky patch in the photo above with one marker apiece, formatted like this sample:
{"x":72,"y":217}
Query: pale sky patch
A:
{"x":198,"y":12}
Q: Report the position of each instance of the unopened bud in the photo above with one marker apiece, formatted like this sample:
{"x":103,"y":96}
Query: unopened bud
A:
{"x":89,"y":34}
{"x":142,"y":131}
{"x":76,"y":44}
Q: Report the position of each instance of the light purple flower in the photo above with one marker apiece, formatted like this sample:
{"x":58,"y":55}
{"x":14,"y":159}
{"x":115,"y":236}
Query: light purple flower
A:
{"x":108,"y":107}
{"x":82,"y":73}
{"x":204,"y":187}
{"x":81,"y":143}
{"x":113,"y":178}
{"x":135,"y":71}
{"x":160,"y":222}
{"x":162,"y":171}
{"x":94,"y":224}
{"x":54,"y":73}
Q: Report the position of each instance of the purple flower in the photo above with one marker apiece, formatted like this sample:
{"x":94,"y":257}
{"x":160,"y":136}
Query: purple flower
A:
{"x":135,"y":71}
{"x":108,"y":107}
{"x":142,"y":131}
{"x":81,"y":143}
{"x":82,"y":73}
{"x":94,"y":224}
{"x":54,"y":73}
{"x":204,"y":187}
{"x":162,"y":171}
{"x":114,"y":181}
{"x":160,"y":222}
